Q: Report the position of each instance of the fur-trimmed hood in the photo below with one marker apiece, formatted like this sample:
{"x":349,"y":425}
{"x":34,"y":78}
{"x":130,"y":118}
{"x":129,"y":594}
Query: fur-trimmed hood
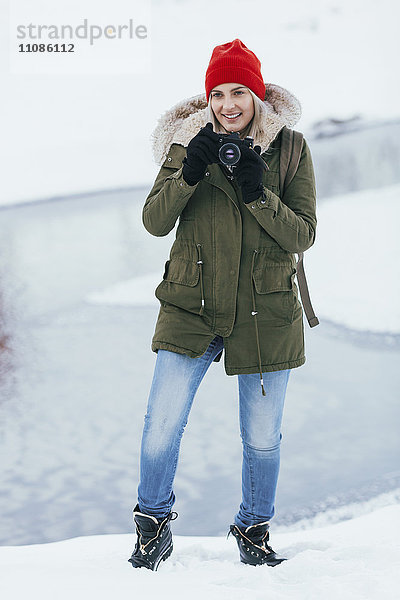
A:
{"x":182,"y":122}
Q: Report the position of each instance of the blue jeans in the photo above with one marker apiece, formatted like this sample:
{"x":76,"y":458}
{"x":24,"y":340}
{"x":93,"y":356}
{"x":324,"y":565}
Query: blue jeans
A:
{"x":175,"y":382}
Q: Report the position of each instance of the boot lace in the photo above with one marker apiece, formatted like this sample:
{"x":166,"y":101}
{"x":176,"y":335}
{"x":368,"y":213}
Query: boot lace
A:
{"x":260,"y":543}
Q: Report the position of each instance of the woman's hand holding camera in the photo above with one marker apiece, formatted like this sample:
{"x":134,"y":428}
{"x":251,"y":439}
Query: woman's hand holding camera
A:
{"x":202,"y":150}
{"x":249,"y":172}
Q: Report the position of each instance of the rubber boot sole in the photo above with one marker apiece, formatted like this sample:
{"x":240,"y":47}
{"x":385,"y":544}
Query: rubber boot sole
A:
{"x":271,"y":563}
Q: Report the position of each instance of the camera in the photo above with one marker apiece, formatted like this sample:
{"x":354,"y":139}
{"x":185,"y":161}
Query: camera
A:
{"x":229,"y":151}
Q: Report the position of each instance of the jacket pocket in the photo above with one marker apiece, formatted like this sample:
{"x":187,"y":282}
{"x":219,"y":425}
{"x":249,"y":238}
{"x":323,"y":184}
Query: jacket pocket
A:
{"x":180,"y":285}
{"x":273,"y":277}
{"x":181,"y":271}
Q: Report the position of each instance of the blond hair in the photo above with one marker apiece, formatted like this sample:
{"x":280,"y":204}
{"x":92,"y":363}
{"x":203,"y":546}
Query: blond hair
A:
{"x":252,"y":129}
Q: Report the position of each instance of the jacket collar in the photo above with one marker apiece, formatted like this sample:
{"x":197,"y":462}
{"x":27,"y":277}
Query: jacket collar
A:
{"x":182,"y":122}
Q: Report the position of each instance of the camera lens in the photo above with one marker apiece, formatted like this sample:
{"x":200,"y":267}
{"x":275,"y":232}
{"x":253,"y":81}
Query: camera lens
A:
{"x":229,"y":154}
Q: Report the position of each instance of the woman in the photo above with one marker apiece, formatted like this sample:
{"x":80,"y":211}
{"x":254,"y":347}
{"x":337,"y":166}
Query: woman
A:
{"x":228,"y":285}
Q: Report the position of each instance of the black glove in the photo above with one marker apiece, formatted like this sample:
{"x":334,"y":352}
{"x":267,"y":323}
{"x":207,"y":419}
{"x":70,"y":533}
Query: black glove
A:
{"x":248,"y":173}
{"x":202,"y":150}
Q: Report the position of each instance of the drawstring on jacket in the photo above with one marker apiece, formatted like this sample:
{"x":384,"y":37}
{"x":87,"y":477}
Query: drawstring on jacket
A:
{"x":200,"y":263}
{"x":254,"y":314}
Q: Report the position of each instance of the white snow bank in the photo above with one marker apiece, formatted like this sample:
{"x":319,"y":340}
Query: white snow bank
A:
{"x":138,"y":291}
{"x":354,"y":559}
{"x":352,"y":269}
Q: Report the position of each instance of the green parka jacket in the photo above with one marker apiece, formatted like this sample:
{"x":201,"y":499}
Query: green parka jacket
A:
{"x":231,"y":268}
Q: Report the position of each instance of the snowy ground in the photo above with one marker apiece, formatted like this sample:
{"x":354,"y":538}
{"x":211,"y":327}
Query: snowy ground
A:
{"x":352,"y":269}
{"x":69,"y":134}
{"x":357,"y":559}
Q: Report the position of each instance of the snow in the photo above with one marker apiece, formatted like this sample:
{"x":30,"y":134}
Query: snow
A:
{"x":355,"y":257}
{"x":356,"y":559}
{"x":138,"y":291}
{"x":67,"y":134}
{"x":353,"y":267}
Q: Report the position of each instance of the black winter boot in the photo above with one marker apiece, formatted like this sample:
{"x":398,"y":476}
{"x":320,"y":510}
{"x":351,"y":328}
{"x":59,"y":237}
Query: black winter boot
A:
{"x":154,"y":541}
{"x":253,"y":547}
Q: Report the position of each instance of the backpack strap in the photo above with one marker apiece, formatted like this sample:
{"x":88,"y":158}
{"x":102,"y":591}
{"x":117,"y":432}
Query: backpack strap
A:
{"x":291,"y":147}
{"x":304,"y":293}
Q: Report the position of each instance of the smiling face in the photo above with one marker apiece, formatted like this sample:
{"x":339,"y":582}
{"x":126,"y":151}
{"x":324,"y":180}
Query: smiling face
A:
{"x":233,"y":106}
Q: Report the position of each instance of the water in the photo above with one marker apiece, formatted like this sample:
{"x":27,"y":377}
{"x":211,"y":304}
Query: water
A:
{"x":75,"y":377}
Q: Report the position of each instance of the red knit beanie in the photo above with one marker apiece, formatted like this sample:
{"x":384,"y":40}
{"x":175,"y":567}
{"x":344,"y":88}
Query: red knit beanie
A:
{"x":234,"y":62}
